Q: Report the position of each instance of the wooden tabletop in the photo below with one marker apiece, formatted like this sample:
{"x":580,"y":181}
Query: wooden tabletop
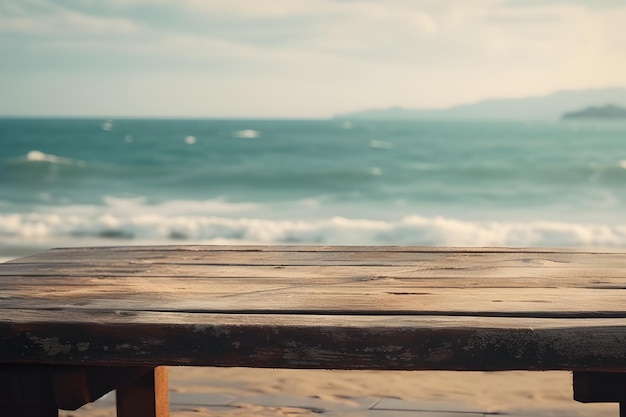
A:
{"x":316,"y":307}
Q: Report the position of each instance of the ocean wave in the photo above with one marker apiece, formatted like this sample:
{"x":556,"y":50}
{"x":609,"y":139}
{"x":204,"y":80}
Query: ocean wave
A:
{"x":162,"y":225}
{"x":38,"y":156}
{"x":36,"y":168}
{"x":246,"y":134}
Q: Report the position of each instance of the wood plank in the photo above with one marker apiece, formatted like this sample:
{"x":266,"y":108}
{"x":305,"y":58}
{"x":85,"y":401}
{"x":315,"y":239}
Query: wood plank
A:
{"x":577,"y":274}
{"x":499,"y":283}
{"x":80,"y":251}
{"x":52,"y":287}
{"x":309,"y":341}
{"x":24,"y":284}
{"x":124,"y":317}
{"x":336,"y":299}
{"x":257,"y":256}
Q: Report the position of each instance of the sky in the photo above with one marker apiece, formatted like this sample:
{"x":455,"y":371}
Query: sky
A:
{"x":298,"y":58}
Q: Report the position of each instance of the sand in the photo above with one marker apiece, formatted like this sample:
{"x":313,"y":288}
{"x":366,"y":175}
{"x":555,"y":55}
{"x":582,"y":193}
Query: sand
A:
{"x":197,"y":392}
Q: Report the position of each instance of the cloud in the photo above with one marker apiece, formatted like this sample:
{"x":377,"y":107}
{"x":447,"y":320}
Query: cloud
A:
{"x":307,"y":56}
{"x":595,"y":4}
{"x":68,"y":23}
{"x":40,"y":17}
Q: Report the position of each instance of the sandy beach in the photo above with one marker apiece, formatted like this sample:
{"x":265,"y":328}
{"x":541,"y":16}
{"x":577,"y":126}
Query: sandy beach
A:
{"x":197,"y":392}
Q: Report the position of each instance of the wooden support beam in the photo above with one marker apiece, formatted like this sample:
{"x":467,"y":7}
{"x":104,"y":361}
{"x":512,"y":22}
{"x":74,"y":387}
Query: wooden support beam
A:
{"x":75,"y":386}
{"x":27,"y":391}
{"x":600,"y":387}
{"x":145,"y":396}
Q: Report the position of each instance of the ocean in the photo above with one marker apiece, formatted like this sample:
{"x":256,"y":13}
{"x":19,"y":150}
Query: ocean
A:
{"x":85,"y":182}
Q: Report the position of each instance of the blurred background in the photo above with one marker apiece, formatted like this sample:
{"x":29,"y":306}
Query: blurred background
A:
{"x":483,"y":123}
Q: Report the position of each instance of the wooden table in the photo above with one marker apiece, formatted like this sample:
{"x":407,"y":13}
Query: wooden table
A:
{"x":77,"y":323}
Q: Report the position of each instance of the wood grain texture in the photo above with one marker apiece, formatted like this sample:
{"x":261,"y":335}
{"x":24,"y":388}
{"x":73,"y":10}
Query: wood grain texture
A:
{"x":316,"y":307}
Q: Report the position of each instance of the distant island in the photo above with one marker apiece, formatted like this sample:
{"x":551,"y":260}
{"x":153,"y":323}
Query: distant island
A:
{"x":609,"y":111}
{"x":549,"y":107}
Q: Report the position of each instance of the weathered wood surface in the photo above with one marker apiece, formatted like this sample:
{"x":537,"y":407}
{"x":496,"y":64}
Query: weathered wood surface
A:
{"x":316,"y":307}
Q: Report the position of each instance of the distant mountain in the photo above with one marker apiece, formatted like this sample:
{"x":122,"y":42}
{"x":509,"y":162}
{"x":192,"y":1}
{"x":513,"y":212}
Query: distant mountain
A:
{"x":610,"y":111}
{"x":548,"y":107}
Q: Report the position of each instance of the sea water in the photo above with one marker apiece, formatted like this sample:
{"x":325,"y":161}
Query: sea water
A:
{"x":83,"y":182}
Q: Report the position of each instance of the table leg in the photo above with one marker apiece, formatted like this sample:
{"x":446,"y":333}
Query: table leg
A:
{"x":600,"y":387}
{"x":27,"y":391}
{"x":75,"y":386}
{"x":145,"y":396}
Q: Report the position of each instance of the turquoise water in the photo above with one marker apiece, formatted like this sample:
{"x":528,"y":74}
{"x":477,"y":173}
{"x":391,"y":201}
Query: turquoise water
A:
{"x":101,"y":182}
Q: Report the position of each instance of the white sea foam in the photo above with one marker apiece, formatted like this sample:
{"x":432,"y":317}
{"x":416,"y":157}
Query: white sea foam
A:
{"x":107,"y":125}
{"x":38,"y":156}
{"x":246,"y":134}
{"x":216,"y":221}
{"x":376,"y":171}
{"x":380,"y":144}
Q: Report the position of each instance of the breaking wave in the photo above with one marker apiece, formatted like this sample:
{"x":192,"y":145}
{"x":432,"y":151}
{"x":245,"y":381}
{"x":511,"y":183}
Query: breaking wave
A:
{"x":217,"y":222}
{"x":38,"y":156}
